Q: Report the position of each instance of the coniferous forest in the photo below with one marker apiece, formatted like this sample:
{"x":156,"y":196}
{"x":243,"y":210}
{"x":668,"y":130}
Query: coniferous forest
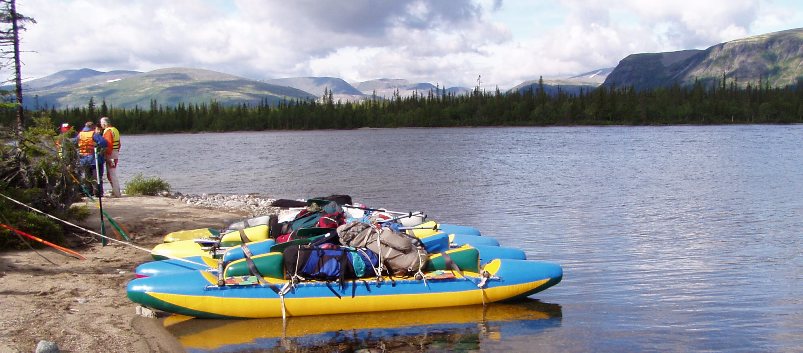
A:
{"x":724,"y":103}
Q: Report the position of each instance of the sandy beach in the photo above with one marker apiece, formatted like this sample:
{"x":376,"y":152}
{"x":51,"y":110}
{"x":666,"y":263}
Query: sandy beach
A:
{"x":81,"y":305}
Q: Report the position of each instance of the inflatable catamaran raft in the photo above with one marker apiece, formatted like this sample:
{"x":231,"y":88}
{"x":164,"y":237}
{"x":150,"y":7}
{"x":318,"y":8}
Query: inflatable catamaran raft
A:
{"x":359,"y":266}
{"x":198,"y":293}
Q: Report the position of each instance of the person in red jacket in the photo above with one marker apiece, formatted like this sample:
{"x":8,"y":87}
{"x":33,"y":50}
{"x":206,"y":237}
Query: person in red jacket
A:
{"x":112,"y":137}
{"x":62,"y":137}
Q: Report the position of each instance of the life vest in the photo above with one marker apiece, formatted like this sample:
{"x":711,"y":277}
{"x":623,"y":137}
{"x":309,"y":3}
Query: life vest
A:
{"x":86,"y":145}
{"x":115,"y":137}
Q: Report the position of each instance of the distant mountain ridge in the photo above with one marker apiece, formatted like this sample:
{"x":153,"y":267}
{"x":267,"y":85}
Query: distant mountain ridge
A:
{"x":171,"y":86}
{"x":586,"y":81}
{"x":775,"y":59}
{"x":318,"y":85}
{"x":388,"y":87}
{"x":74,"y":78}
{"x":128,"y":89}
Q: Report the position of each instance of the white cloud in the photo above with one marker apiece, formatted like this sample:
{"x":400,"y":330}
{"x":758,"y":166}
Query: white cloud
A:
{"x":445,"y":42}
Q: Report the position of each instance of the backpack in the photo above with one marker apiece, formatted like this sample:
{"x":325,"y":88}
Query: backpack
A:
{"x":395,"y":250}
{"x":365,"y":263}
{"x":328,"y":262}
{"x":330,"y":215}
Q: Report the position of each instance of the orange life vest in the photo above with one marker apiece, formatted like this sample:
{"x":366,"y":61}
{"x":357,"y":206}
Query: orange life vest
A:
{"x":86,"y":145}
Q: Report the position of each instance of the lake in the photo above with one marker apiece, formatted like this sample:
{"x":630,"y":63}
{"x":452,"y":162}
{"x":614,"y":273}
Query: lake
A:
{"x":672,"y":239}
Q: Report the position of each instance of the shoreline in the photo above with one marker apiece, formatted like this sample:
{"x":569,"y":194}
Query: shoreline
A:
{"x":472,"y":127}
{"x":81,"y":305}
{"x":253,"y":204}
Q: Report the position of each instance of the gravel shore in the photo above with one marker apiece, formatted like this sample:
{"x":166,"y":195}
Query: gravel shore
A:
{"x":253,"y":204}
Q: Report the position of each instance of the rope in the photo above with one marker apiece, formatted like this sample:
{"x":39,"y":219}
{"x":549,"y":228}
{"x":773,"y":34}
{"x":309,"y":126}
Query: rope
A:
{"x":98,"y":234}
{"x":485,"y":276}
{"x":420,"y":272}
{"x":378,"y":269}
{"x":296,"y":278}
{"x":379,"y":254}
{"x":286,"y":288}
{"x":284,"y":310}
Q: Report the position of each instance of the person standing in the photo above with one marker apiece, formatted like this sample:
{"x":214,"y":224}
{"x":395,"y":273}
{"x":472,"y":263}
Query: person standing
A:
{"x":112,"y":137}
{"x":87,"y":140}
{"x":63,"y":137}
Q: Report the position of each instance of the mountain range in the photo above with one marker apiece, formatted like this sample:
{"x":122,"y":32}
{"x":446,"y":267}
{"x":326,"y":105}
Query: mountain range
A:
{"x":774,"y":59}
{"x":569,"y":85}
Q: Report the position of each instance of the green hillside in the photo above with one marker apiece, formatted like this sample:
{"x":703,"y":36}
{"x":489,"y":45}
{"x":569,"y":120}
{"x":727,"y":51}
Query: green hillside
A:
{"x":774,"y":59}
{"x":165,"y":86}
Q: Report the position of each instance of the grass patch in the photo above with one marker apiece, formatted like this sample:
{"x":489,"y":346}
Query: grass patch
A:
{"x":140,"y":185}
{"x":79,"y":212}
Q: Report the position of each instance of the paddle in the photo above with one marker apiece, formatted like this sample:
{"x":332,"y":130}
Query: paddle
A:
{"x":380,"y":210}
{"x":100,"y":198}
{"x":409,"y":215}
{"x":116,"y":226}
{"x":40,"y":240}
{"x":287,"y":203}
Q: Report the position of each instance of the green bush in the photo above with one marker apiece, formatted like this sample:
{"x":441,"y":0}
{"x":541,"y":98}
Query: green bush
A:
{"x":79,"y":212}
{"x":140,"y":185}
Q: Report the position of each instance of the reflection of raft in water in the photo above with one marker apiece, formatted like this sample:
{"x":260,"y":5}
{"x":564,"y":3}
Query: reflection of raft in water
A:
{"x":368,"y":330}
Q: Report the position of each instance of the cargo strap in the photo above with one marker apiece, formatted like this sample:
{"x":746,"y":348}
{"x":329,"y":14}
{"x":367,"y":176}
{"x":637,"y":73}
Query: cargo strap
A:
{"x":252,"y":267}
{"x":329,"y":285}
{"x":390,"y":276}
{"x":450,"y":264}
{"x":354,"y":287}
{"x":244,"y":237}
{"x":255,"y":271}
{"x":416,"y":241}
{"x":274,"y":230}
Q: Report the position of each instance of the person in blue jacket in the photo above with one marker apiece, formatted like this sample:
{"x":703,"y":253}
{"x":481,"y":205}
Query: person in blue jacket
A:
{"x":91,"y":147}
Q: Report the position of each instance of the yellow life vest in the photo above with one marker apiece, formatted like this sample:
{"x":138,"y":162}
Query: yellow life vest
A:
{"x":115,"y":137}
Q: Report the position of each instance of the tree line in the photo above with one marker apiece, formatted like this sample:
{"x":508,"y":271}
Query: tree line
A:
{"x":722,"y":103}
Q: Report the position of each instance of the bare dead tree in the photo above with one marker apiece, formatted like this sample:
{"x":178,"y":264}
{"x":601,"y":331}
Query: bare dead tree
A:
{"x":13,"y":23}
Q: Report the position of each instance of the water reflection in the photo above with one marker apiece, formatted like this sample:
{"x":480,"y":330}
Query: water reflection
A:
{"x":460,"y":329}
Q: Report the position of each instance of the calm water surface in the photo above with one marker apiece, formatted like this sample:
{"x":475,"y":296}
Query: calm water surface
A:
{"x":671,"y":238}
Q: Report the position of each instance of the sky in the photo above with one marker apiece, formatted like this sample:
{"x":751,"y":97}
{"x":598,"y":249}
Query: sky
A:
{"x":498,"y":43}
